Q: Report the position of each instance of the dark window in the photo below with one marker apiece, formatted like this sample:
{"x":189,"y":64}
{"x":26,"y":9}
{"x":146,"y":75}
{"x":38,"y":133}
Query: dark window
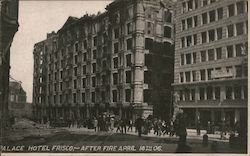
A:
{"x":182,"y":59}
{"x":195,"y":39}
{"x":183,"y":24}
{"x":148,"y":44}
{"x":240,"y":7}
{"x":181,"y":77}
{"x":94,"y":54}
{"x":128,"y":95}
{"x":194,"y":76}
{"x":95,"y":41}
{"x":167,"y":32}
{"x":212,"y":15}
{"x":115,"y":60}
{"x":195,"y":21}
{"x":240,"y":28}
{"x":187,"y":94}
{"x":114,"y":92}
{"x":116,"y":47}
{"x":204,"y":37}
{"x":84,"y":56}
{"x":115,"y":78}
{"x":237,"y":92}
{"x":128,"y":60}
{"x":217,"y":93}
{"x":203,"y":56}
{"x":229,"y":92}
{"x":192,"y":94}
{"x":219,"y":33}
{"x":231,"y":10}
{"x":75,"y":71}
{"x":218,"y":53}
{"x":128,"y":76}
{"x":93,"y":67}
{"x":229,"y":51}
{"x":189,"y":41}
{"x":220,"y":13}
{"x":190,"y":5}
{"x":93,"y":81}
{"x":204,"y":18}
{"x":189,"y":23}
{"x":205,"y":2}
{"x":74,"y":98}
{"x":76,"y":47}
{"x":129,"y":44}
{"x":203,"y":75}
{"x":182,"y":42}
{"x":209,"y":74}
{"x":83,"y":83}
{"x":187,"y":74}
{"x":93,"y":96}
{"x":116,"y":31}
{"x":188,"y":58}
{"x":239,"y":48}
{"x":211,"y":35}
{"x":210,"y":54}
{"x":202,"y":92}
{"x":75,"y":84}
{"x":83,"y":97}
{"x":209,"y":93}
{"x":194,"y":57}
{"x":129,"y":28}
{"x":83,"y":69}
{"x":230,"y":30}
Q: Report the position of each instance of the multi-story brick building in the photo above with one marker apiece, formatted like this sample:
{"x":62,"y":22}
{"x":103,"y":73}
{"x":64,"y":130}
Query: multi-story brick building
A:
{"x":211,"y":61}
{"x":119,"y":62}
{"x":8,"y":28}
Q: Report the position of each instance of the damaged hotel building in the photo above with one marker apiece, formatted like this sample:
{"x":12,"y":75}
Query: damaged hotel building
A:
{"x":120,"y":62}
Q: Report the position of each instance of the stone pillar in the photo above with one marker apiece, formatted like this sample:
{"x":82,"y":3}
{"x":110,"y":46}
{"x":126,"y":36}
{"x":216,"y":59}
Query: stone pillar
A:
{"x":236,"y":115}
{"x":138,"y":71}
{"x":223,"y":116}
{"x":197,"y":115}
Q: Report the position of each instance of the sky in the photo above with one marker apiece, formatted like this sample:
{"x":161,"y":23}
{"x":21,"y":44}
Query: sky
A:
{"x":36,"y":19}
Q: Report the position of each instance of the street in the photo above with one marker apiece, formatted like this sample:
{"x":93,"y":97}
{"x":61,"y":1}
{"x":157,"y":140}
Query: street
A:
{"x":82,"y":140}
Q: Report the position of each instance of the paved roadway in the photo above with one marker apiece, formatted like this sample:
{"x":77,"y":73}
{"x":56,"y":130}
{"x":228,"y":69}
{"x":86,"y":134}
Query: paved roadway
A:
{"x":84,"y":141}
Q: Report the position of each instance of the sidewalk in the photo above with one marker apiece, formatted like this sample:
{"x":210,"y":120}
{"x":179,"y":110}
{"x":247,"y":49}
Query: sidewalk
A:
{"x":191,"y":134}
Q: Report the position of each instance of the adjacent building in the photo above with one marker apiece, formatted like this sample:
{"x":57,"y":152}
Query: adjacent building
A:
{"x":118,"y":62}
{"x":18,"y":106}
{"x":211,"y":61}
{"x":8,"y":28}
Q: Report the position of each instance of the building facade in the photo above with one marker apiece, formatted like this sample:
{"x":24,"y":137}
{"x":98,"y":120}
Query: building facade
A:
{"x":211,"y":61}
{"x":18,"y":106}
{"x":8,"y":28}
{"x":118,"y":62}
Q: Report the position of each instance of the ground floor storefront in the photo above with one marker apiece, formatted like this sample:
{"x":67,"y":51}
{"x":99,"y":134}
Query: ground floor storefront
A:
{"x":216,"y":117}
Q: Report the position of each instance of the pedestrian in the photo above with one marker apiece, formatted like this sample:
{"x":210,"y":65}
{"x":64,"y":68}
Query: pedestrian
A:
{"x":118,"y":126}
{"x":171,"y":127}
{"x":198,"y":127}
{"x":112,"y":123}
{"x":139,"y":125}
{"x":95,"y":124}
{"x":130,"y":125}
{"x":181,"y":131}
